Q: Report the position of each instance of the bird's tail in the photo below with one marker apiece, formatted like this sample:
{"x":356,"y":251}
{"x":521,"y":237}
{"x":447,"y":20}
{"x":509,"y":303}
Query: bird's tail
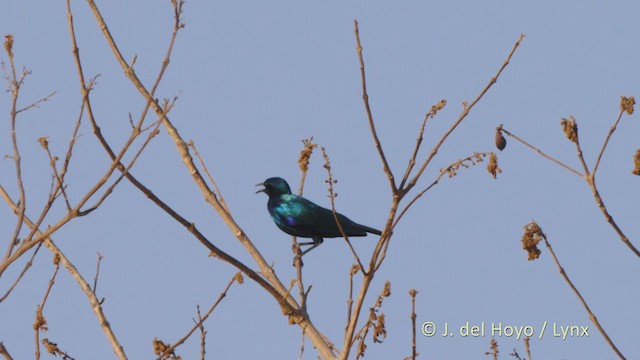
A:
{"x":370,"y":230}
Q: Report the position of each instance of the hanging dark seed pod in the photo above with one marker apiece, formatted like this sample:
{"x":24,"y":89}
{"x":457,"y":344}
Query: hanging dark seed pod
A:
{"x":501,"y":142}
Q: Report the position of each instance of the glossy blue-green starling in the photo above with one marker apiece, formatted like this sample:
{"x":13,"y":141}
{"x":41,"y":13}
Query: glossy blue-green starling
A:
{"x":300,"y":217}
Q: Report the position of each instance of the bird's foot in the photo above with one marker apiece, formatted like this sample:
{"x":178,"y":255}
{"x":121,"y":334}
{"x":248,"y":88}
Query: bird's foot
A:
{"x":312,"y":244}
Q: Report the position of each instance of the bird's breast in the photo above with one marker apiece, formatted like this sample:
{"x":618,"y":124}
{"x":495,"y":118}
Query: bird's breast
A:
{"x":283,"y":213}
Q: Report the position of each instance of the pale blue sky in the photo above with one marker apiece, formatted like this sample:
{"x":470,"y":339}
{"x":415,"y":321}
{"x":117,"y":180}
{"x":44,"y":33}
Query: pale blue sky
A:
{"x":253,"y":79}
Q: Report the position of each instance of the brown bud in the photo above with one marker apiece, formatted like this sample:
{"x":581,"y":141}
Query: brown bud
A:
{"x":501,"y":142}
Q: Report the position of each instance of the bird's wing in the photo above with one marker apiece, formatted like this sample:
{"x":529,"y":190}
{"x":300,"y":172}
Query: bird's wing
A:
{"x":299,"y":216}
{"x":311,"y":220}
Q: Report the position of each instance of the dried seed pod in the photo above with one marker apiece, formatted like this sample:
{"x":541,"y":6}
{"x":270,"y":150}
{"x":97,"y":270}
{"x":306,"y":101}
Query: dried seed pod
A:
{"x":501,"y":142}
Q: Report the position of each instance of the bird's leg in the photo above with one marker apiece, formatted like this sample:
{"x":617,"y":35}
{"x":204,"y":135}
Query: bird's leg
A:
{"x":316,"y":241}
{"x":314,"y":244}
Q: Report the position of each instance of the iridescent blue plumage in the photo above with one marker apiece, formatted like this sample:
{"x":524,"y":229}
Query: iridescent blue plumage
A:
{"x":300,"y":217}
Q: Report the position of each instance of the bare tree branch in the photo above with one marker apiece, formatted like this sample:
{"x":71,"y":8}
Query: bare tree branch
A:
{"x":365,"y":99}
{"x":4,"y":352}
{"x":40,"y":322}
{"x":532,"y":236}
{"x":26,"y":267}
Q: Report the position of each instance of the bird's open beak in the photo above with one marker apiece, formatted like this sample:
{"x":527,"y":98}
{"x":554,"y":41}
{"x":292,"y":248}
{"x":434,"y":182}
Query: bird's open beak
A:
{"x":264,"y":190}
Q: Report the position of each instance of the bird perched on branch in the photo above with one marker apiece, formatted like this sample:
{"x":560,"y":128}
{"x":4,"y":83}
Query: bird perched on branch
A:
{"x":300,"y":217}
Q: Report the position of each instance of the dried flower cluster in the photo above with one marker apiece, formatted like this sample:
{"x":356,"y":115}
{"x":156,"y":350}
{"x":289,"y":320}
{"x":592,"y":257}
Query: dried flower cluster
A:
{"x":570,"y":128}
{"x":8,"y":44}
{"x":305,"y":154}
{"x":494,"y":349}
{"x":376,"y":321}
{"x":239,"y":278}
{"x":627,"y":103}
{"x":636,"y":163}
{"x":437,"y":107}
{"x":160,"y":347}
{"x":532,"y":236}
{"x":492,"y":166}
{"x":452,"y":170}
{"x":41,"y":322}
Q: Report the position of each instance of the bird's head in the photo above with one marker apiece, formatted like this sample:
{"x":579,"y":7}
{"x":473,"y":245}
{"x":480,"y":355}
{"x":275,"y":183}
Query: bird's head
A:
{"x":274,"y":187}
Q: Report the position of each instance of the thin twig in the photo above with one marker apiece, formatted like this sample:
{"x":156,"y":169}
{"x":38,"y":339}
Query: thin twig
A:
{"x":365,"y":99}
{"x":515,"y":354}
{"x":37,"y":103}
{"x":412,"y":160}
{"x":332,"y":196}
{"x":592,"y":316}
{"x":203,"y":335}
{"x":24,"y":271}
{"x":40,"y":322}
{"x":413,"y":294}
{"x":14,"y":86}
{"x":583,"y":162}
{"x":236,"y":278}
{"x":4,"y":352}
{"x":354,"y":270}
{"x":527,"y":347}
{"x":303,"y":163}
{"x":584,"y":303}
{"x":95,"y":278}
{"x":301,"y":346}
{"x":590,"y":177}
{"x":206,"y":171}
{"x":74,"y":137}
{"x":567,"y":167}
{"x":606,"y":141}
{"x":52,"y":162}
{"x":596,"y":195}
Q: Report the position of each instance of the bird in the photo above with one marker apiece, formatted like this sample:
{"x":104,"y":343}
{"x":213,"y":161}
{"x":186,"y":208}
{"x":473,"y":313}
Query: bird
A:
{"x":300,"y":217}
